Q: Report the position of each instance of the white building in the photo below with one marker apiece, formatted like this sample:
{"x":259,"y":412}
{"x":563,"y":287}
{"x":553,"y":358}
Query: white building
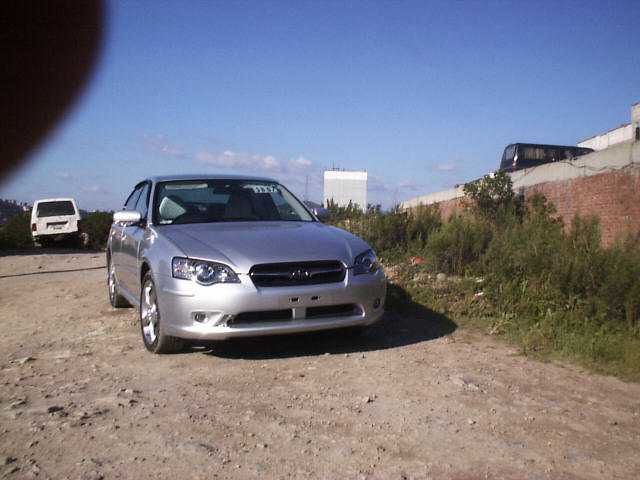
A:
{"x":628,"y":132}
{"x":344,"y":186}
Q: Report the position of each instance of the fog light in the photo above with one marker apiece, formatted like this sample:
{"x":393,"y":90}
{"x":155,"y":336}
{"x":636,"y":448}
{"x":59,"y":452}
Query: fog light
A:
{"x":200,"y":317}
{"x":376,"y":303}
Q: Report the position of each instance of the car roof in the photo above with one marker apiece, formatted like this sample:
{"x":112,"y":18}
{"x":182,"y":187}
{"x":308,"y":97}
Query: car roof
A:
{"x":207,"y":176}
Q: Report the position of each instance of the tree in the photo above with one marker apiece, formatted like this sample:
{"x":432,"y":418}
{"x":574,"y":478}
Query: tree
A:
{"x":492,"y":197}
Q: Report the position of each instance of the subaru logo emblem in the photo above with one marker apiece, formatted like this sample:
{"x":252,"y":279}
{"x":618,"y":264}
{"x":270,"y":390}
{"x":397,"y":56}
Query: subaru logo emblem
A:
{"x":299,"y":274}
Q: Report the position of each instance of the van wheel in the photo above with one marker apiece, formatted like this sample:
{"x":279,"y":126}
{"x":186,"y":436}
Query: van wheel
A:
{"x":115,"y":299}
{"x":155,"y":340}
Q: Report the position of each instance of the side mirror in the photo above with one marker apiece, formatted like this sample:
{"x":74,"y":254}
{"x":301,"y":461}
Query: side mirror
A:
{"x":322,"y":213}
{"x":127,"y":217}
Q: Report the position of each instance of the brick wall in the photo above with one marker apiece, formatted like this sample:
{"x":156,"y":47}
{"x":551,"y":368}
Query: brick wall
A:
{"x":613,"y":196}
{"x":449,"y":207}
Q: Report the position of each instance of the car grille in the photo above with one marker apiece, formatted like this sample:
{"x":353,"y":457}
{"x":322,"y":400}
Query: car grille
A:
{"x":346,"y":310}
{"x":262,"y":316}
{"x":327,"y":311}
{"x":297,"y":273}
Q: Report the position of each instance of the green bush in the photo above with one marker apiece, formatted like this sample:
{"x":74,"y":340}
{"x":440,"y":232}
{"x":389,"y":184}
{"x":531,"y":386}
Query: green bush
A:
{"x":551,"y":288}
{"x":492,"y":198}
{"x":459,"y":244}
{"x":96,"y":226}
{"x":423,"y":221}
{"x":390,"y":233}
{"x":16,"y":233}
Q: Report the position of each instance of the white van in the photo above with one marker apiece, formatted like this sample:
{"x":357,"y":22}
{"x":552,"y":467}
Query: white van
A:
{"x":54,"y":219}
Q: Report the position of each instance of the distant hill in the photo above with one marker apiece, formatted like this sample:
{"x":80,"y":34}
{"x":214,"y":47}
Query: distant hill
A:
{"x":9,"y":208}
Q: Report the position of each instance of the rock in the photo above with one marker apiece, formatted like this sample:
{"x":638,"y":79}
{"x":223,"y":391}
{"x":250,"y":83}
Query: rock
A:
{"x":199,"y":447}
{"x":18,"y":402}
{"x":54,"y":409}
{"x":92,"y":475}
{"x":420,"y":277}
{"x":8,"y":460}
{"x":441,"y":277}
{"x":465,"y":383}
{"x":23,"y":360}
{"x":33,"y":472}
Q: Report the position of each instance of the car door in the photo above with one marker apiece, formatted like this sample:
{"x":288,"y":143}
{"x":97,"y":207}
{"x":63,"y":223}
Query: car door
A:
{"x":117,"y":232}
{"x":132,"y":238}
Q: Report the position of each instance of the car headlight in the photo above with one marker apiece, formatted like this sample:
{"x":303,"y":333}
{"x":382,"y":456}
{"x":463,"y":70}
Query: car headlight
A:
{"x":203,"y":272}
{"x":366,"y":262}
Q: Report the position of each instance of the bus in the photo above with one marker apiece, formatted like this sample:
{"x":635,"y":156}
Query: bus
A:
{"x":526,"y":155}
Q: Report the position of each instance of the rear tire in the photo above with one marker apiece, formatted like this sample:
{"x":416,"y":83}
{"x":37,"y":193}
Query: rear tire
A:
{"x":45,"y":242}
{"x":115,"y":299}
{"x":151,"y":327}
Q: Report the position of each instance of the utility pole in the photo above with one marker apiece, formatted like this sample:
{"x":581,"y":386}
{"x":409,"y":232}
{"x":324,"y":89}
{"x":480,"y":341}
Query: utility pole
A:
{"x":306,"y":187}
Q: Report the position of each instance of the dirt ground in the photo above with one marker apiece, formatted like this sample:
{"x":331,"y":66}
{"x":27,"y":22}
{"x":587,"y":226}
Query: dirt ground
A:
{"x":411,"y":398}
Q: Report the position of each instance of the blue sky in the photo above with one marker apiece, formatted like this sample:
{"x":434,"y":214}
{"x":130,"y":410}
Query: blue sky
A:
{"x":423,"y":95}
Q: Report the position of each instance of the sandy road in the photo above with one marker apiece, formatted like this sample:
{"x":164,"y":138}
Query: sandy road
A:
{"x":412,"y":398}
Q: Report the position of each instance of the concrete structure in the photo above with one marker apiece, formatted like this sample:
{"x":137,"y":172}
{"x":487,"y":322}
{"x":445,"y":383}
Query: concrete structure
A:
{"x":627,"y":132}
{"x":343,"y":186}
{"x":605,"y":183}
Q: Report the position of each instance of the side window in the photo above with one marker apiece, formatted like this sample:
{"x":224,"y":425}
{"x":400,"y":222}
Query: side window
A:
{"x":131,"y":201}
{"x":142,"y":205}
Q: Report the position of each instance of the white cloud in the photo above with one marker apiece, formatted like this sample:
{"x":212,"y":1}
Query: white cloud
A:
{"x":239,"y":161}
{"x":64,"y":175}
{"x":270,"y":163}
{"x":446,"y":167}
{"x":160,"y":144}
{"x":94,"y":189}
{"x":300,"y":163}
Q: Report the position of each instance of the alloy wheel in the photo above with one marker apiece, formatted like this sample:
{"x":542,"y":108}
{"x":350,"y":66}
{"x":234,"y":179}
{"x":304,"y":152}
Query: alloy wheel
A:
{"x":149,"y":313}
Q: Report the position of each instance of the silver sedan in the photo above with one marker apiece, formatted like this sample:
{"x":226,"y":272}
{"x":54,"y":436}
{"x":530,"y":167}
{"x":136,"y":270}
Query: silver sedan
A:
{"x":215,"y":257}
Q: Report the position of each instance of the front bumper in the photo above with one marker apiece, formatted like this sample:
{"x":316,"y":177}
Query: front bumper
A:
{"x":180,"y":300}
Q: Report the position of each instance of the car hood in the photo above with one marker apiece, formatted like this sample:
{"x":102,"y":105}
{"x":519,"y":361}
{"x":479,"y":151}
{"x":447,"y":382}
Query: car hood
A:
{"x":244,"y":244}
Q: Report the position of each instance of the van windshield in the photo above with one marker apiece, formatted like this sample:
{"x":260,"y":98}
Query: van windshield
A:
{"x":55,"y":209}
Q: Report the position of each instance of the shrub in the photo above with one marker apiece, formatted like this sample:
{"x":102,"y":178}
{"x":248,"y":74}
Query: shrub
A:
{"x":492,"y":198}
{"x":96,"y":226}
{"x":459,"y":244}
{"x":551,"y":288}
{"x":16,"y":233}
{"x":422,"y":222}
{"x":522,"y":259}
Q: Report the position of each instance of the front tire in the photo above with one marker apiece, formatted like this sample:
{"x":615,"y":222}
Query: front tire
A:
{"x":150,"y":323}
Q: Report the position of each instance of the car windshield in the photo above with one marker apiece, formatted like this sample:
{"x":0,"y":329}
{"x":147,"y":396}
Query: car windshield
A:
{"x":55,"y":209}
{"x":205,"y":201}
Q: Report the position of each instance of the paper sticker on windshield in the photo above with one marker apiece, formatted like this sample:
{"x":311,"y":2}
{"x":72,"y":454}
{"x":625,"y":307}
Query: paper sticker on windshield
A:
{"x":185,"y":186}
{"x":261,"y":188}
